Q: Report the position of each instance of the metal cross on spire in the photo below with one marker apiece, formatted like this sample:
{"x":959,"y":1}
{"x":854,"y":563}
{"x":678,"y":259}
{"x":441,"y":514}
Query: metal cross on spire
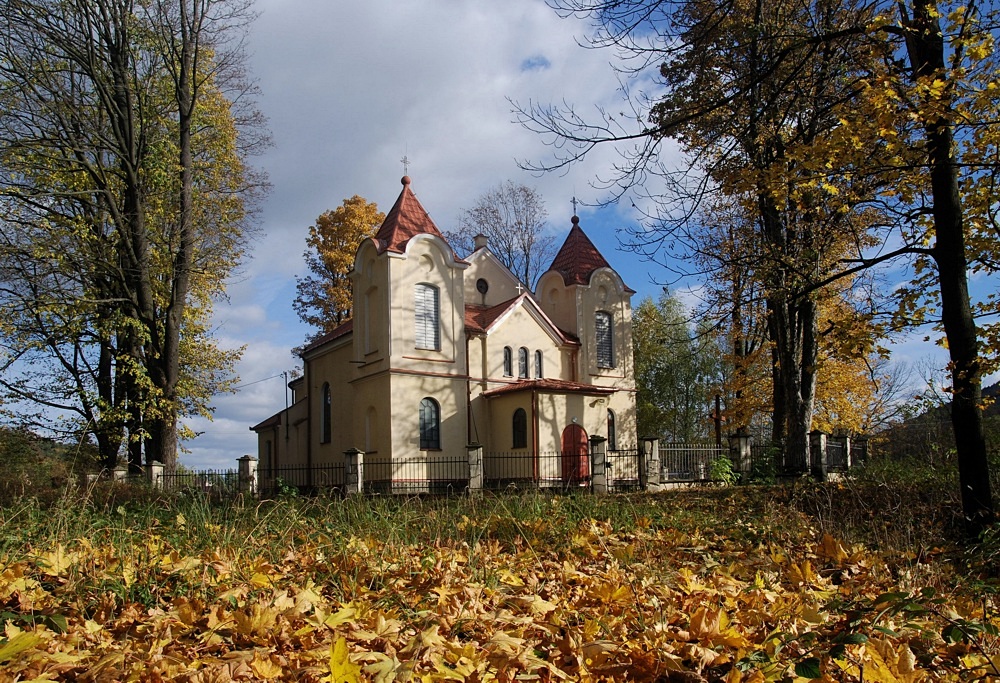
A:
{"x":406,"y":165}
{"x":574,"y":205}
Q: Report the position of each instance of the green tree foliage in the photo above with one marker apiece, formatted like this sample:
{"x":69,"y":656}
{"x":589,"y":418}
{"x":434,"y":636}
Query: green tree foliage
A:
{"x":324,"y":298}
{"x":127,"y":200}
{"x":676,"y":371}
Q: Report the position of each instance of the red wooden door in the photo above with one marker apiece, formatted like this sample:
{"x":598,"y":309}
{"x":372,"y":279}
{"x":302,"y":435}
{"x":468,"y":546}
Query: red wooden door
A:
{"x":575,"y":456}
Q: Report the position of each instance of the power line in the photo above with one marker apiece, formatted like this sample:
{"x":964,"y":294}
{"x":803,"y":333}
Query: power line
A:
{"x":258,"y":381}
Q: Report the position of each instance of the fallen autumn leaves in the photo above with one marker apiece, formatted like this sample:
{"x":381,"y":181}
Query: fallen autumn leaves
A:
{"x":554,"y":593}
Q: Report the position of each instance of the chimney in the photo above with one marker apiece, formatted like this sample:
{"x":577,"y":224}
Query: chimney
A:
{"x":479,"y":241}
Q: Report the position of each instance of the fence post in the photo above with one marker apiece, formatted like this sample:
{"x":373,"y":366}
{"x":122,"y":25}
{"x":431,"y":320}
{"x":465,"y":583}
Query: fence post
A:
{"x":599,"y":464}
{"x":248,"y":475}
{"x":154,"y":473}
{"x":817,"y":453}
{"x":650,"y":462}
{"x":475,"y":467}
{"x":354,"y":471}
{"x":847,"y":451}
{"x":739,"y":451}
{"x":119,"y":473}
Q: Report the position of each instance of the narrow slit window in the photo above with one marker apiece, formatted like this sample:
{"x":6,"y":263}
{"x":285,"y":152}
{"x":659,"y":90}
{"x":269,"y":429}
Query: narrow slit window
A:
{"x":426,"y":315}
{"x":605,"y":338}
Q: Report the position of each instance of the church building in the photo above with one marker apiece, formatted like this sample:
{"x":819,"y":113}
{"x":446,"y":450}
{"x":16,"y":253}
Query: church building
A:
{"x":446,"y":353}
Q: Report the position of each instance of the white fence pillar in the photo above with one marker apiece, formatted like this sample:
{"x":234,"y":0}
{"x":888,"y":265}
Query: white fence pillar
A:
{"x":475,"y":467}
{"x":650,"y":462}
{"x":354,"y":471}
{"x":248,"y":475}
{"x":154,"y":473}
{"x":599,"y":464}
{"x":739,"y":451}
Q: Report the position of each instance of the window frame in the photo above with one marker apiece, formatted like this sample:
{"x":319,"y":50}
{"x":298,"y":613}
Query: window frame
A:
{"x":604,"y":339}
{"x":522,"y":362}
{"x":538,"y":364}
{"x":427,"y":317}
{"x":508,"y":361}
{"x":519,"y":429}
{"x":430,"y":424}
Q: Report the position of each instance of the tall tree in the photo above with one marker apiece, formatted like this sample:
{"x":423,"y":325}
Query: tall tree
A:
{"x":676,"y":371}
{"x":512,"y":217}
{"x":94,"y":146}
{"x":324,"y":298}
{"x":896,"y":95}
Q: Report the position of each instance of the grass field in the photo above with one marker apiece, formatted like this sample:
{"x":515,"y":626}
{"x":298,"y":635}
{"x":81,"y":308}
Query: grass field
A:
{"x":862,"y":580}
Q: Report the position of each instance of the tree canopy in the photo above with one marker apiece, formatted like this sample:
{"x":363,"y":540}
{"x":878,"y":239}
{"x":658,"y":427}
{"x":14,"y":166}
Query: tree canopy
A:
{"x":324,"y":297}
{"x":128,"y":203}
{"x":851,"y":134}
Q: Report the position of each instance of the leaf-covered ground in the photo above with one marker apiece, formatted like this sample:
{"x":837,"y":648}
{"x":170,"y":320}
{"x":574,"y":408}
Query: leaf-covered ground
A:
{"x":734,"y":586}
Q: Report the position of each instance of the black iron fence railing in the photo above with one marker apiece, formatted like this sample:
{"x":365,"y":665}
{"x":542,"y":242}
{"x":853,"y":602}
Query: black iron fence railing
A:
{"x":215,"y":482}
{"x":322,"y":478}
{"x":438,"y":474}
{"x":625,"y":469}
{"x":528,"y":470}
{"x":836,"y":455}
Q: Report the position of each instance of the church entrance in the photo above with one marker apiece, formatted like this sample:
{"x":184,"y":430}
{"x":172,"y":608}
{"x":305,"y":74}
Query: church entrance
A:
{"x":575,"y":455}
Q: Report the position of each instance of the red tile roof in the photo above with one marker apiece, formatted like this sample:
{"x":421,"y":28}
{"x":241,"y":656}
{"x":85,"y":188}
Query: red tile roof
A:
{"x":479,"y":318}
{"x":406,"y":219}
{"x":336,"y":333}
{"x":551,"y":386}
{"x":578,"y":258}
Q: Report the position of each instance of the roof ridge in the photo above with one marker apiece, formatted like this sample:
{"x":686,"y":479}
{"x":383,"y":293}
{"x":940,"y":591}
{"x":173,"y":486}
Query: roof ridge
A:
{"x":406,"y":219}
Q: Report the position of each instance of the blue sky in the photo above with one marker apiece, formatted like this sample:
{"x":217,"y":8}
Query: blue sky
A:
{"x":349,"y":88}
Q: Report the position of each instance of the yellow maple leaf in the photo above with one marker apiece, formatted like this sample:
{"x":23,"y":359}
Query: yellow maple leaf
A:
{"x":342,"y":669}
{"x":265,"y":666}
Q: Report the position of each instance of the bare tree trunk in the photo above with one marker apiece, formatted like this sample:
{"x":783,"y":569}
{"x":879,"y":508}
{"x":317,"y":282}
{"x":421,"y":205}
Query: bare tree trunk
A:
{"x":925,"y":48}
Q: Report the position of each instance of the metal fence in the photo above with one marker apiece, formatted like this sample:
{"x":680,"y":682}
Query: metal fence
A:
{"x":625,"y":469}
{"x":438,"y":474}
{"x":836,"y":455}
{"x":322,"y":478}
{"x":215,"y":482}
{"x":683,"y":462}
{"x":527,"y":470}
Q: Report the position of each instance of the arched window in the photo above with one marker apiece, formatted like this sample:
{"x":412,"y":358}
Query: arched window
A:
{"x":605,"y":339}
{"x":612,"y":433}
{"x":426,"y":315}
{"x":326,"y":419}
{"x":508,"y":362}
{"x":430,"y":424}
{"x":522,"y":362}
{"x":520,"y":429}
{"x":538,"y":364}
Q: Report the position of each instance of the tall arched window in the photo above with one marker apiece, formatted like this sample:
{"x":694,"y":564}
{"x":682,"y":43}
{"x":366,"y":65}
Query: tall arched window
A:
{"x":326,"y":422}
{"x":430,"y":424}
{"x":612,"y":432}
{"x":520,"y":429}
{"x":605,"y":340}
{"x":538,"y":364}
{"x":427,"y":316}
{"x":508,"y":362}
{"x":522,"y":362}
